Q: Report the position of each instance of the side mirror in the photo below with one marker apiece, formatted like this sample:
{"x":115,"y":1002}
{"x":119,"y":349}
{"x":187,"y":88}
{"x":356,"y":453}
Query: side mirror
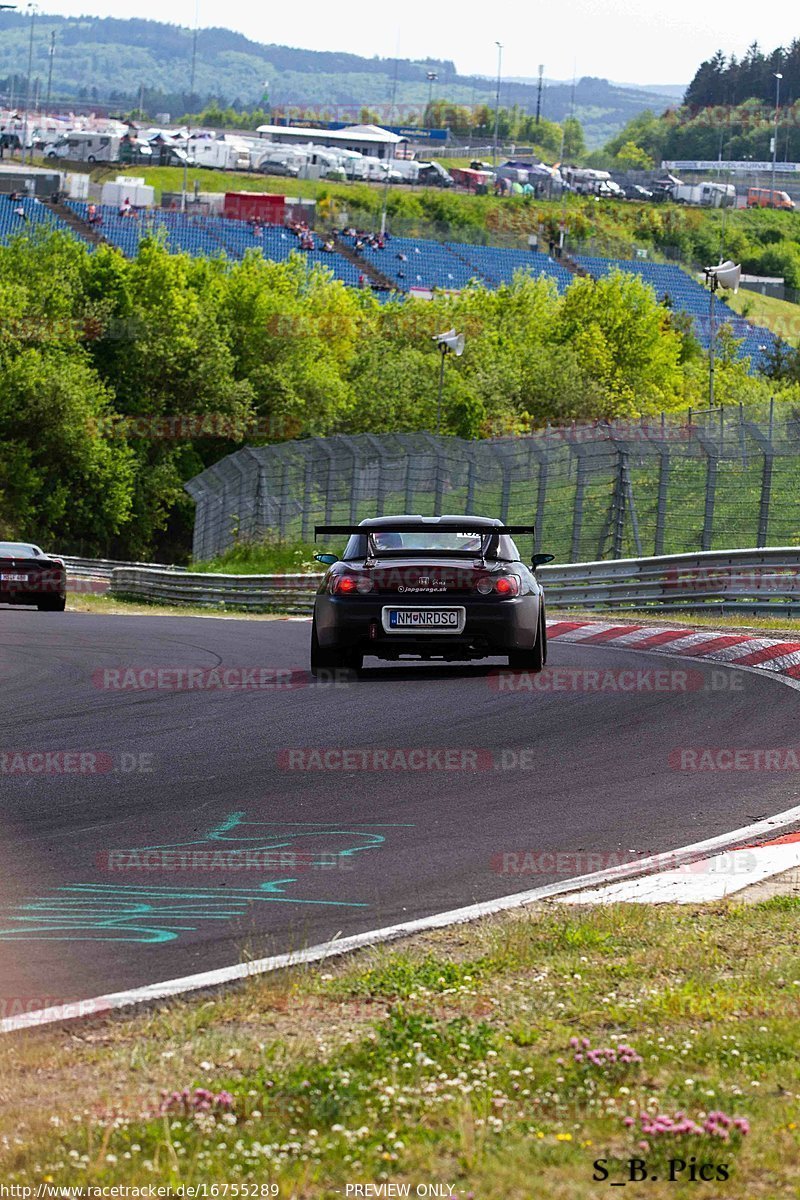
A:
{"x":327,"y":559}
{"x":539,"y":560}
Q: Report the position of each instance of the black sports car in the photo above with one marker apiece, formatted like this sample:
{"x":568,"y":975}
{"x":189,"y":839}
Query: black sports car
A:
{"x":29,"y":576}
{"x":449,"y":588}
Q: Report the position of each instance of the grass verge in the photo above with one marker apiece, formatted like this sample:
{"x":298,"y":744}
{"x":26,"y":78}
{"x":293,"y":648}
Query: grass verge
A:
{"x":448,"y":1059}
{"x":113,"y":606}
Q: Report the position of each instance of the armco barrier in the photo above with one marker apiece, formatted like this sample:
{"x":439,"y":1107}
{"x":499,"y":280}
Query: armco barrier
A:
{"x":101,"y":568}
{"x":266,"y":593}
{"x":751,"y":580}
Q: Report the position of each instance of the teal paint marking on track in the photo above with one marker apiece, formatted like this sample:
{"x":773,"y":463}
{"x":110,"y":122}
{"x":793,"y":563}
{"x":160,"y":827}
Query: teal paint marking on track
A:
{"x":157,"y":914}
{"x":116,"y":913}
{"x":258,"y":836}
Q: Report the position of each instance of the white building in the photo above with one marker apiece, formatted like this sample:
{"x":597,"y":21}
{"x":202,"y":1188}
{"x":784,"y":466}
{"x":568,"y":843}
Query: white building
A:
{"x":365,"y":139}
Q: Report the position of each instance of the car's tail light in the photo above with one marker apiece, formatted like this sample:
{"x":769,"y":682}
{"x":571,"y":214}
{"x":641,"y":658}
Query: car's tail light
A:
{"x":350,"y":585}
{"x":500,"y":585}
{"x":507,"y":585}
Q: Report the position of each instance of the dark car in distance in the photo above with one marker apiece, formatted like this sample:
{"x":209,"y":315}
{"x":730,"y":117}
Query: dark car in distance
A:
{"x":449,"y":588}
{"x":29,"y":576}
{"x":634,"y":191}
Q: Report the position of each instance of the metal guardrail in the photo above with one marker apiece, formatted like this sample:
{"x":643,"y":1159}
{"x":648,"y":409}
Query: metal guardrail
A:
{"x":264,"y":593}
{"x":751,"y":580}
{"x":101,"y":568}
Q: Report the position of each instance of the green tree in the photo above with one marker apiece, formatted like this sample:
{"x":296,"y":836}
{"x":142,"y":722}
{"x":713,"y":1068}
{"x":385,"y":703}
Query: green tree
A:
{"x":631,"y":157}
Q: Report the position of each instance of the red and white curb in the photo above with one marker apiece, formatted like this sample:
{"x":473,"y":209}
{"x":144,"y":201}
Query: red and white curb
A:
{"x":703,"y":880}
{"x":727,"y":648}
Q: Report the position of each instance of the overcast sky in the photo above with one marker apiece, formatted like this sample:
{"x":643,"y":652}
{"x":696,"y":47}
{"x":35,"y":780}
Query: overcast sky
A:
{"x":624,"y":40}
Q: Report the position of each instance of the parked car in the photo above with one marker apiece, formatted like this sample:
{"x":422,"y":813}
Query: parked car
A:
{"x":635,"y":191}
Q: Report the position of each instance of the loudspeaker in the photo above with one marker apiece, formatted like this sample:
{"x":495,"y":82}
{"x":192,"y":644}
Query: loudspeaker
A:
{"x":727,"y":275}
{"x":450,"y":341}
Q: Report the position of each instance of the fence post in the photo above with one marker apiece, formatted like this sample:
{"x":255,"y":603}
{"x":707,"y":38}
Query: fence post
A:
{"x":541,"y":497}
{"x":577,"y":512}
{"x":627,"y":484}
{"x":470,"y":504}
{"x":438,"y":486}
{"x":661,"y":503}
{"x":353,"y":491}
{"x":308,"y":479}
{"x":620,"y":496}
{"x":283,"y":513}
{"x":409,"y":496}
{"x":767,"y":447}
{"x":712,"y":463}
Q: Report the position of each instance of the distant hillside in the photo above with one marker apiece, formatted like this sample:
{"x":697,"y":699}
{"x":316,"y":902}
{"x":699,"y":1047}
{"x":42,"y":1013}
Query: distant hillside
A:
{"x":107,"y":61}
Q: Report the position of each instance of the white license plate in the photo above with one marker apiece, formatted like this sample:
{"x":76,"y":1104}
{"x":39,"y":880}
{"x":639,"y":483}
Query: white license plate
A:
{"x":13,"y":578}
{"x":423,"y":620}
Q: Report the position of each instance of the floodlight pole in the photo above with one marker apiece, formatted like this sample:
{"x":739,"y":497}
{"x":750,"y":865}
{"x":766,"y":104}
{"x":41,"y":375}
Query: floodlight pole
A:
{"x":32,"y":8}
{"x":497,"y":101}
{"x":713,"y":284}
{"x":443,"y":353}
{"x":778,"y":78}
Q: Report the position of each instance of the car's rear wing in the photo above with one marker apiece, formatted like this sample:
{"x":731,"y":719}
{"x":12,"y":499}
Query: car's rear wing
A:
{"x":465,"y":526}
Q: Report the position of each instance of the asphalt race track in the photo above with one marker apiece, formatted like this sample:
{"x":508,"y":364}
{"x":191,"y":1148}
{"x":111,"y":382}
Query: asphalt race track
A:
{"x":150,"y":833}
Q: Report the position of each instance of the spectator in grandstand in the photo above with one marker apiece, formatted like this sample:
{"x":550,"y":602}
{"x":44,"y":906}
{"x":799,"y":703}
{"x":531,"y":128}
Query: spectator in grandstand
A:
{"x":328,"y":246}
{"x":91,"y":214}
{"x":257,"y":230}
{"x":362,"y":281}
{"x":20,"y":212}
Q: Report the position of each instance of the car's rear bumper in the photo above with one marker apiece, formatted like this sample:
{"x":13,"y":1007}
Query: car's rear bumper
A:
{"x":490,"y":626}
{"x":33,"y":597}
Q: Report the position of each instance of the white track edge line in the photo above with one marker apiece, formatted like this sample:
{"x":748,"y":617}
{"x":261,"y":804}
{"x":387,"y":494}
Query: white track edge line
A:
{"x":457,"y":916}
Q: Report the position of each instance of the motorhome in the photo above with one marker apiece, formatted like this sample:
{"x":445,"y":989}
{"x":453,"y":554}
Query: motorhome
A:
{"x":86,"y":146}
{"x":586,"y":181}
{"x":220,"y":153}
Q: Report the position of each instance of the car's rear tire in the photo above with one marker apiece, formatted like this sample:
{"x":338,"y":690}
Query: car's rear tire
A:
{"x":532,"y":660}
{"x":52,"y":604}
{"x":333,"y":663}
